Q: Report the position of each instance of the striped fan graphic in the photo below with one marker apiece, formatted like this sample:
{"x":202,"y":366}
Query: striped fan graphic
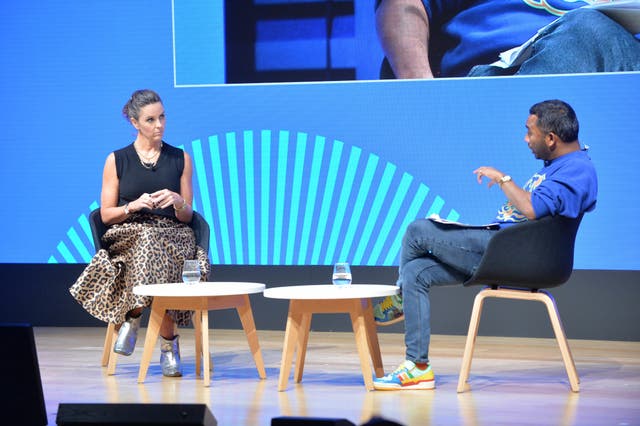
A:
{"x":283,"y":198}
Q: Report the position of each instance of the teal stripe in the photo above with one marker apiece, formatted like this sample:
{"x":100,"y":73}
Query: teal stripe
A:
{"x":201,"y":176}
{"x":250,"y":196}
{"x":387,"y":176}
{"x":94,"y":205}
{"x":412,"y":214}
{"x":453,"y":215}
{"x":221,"y":205}
{"x":332,"y":173}
{"x":234,"y":191}
{"x":345,"y":194}
{"x":264,"y":202}
{"x":294,"y":209}
{"x":392,"y":215}
{"x":314,"y":178}
{"x":52,"y":260}
{"x":281,"y":183}
{"x":66,"y":254}
{"x":79,"y":245}
{"x":436,"y":206}
{"x":365,"y":186}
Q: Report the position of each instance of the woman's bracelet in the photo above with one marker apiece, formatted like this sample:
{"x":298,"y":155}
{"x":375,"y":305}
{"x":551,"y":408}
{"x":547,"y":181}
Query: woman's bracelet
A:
{"x":184,"y":204}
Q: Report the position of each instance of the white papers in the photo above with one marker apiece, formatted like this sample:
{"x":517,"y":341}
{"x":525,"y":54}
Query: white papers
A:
{"x":436,"y":218}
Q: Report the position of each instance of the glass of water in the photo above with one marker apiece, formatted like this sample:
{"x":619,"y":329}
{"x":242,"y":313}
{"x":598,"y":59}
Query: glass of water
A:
{"x":341,"y":274}
{"x":191,"y":272}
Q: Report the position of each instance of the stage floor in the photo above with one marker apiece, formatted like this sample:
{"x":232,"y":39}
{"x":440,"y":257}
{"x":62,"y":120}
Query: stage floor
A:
{"x":513,"y":380}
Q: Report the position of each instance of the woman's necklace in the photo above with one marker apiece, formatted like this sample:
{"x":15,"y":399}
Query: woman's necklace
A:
{"x":148,"y":162}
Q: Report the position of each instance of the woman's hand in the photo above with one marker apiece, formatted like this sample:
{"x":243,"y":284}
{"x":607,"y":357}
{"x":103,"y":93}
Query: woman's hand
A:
{"x":165,"y":198}
{"x":144,"y":201}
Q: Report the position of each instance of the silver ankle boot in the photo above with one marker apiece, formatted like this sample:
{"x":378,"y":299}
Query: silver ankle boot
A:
{"x":127,"y":336}
{"x":170,"y":357}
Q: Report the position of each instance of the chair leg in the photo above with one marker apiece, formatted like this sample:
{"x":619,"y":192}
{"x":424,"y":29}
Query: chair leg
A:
{"x":561,"y":338}
{"x":469,"y":346}
{"x":110,"y":358}
{"x":503,"y":293}
{"x":108,"y":342}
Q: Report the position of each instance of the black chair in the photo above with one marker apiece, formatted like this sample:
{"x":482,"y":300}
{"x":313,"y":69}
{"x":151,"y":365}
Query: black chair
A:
{"x":520,"y":261}
{"x":98,"y":228}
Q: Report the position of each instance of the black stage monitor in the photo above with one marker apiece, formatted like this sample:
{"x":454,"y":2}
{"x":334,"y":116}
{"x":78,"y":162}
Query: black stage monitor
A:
{"x":135,"y":414}
{"x":23,"y":400}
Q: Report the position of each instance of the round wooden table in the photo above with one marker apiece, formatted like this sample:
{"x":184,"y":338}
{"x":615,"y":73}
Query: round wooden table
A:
{"x":200,"y":297}
{"x":354,"y":299}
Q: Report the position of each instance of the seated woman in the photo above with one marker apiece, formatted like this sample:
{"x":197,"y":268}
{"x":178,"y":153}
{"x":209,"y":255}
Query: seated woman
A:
{"x":146,"y":202}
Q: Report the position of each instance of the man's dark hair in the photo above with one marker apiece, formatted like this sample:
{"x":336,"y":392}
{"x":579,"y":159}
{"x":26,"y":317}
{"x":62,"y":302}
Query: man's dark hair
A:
{"x":555,"y":116}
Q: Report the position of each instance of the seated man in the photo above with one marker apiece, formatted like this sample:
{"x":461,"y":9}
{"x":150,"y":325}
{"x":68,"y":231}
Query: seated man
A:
{"x":435,"y":254}
{"x":436,"y":38}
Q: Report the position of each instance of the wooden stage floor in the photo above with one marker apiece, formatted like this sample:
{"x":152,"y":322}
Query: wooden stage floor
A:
{"x":513,"y":380}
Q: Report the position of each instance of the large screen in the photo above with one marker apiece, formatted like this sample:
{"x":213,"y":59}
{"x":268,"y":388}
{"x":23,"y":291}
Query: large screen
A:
{"x":285,"y":174}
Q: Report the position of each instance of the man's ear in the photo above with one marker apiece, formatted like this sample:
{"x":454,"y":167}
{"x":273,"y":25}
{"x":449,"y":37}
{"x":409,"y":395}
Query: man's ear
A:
{"x":552,"y":140}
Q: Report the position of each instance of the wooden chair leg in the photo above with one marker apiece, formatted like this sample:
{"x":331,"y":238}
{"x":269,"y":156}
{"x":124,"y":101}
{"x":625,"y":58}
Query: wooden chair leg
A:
{"x":108,"y":344}
{"x":556,"y":323}
{"x":561,"y":338}
{"x":109,"y":357}
{"x":469,"y":346}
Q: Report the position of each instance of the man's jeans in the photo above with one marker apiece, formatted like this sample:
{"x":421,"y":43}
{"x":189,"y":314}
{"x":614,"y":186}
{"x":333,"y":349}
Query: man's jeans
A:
{"x":582,"y":41}
{"x":433,"y":254}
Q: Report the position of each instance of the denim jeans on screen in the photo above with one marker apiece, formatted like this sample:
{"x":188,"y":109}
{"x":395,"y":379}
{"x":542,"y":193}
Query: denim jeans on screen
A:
{"x":582,"y":41}
{"x":433,"y":254}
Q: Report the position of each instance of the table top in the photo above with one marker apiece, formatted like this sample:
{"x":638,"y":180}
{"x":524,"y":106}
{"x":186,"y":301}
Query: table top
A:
{"x":330,"y":291}
{"x":215,"y":288}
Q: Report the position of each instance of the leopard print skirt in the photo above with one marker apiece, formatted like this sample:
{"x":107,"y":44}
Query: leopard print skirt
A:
{"x":146,"y":249}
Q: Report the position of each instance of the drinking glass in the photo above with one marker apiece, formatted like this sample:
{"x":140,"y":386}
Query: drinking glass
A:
{"x":191,"y":272}
{"x":341,"y":274}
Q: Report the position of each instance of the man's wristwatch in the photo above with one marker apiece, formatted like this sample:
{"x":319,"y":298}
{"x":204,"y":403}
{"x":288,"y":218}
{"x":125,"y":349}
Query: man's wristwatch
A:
{"x":504,"y":179}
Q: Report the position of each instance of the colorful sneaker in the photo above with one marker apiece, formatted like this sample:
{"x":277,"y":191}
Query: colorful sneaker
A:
{"x":406,"y":377}
{"x":389,"y":311}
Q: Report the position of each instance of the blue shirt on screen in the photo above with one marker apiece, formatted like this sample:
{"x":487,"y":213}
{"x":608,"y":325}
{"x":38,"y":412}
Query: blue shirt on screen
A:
{"x":464,"y":33}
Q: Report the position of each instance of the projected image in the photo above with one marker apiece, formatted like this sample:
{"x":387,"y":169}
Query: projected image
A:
{"x":289,"y":40}
{"x":285,"y":174}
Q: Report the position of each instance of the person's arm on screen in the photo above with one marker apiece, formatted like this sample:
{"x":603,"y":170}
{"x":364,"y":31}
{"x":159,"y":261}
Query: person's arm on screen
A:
{"x":403,"y":30}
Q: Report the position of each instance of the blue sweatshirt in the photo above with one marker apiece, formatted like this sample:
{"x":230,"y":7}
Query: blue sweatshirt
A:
{"x":566,"y":186}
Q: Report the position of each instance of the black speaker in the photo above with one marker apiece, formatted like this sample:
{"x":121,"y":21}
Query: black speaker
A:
{"x":309,"y":421}
{"x":22,"y":402}
{"x":134,"y":414}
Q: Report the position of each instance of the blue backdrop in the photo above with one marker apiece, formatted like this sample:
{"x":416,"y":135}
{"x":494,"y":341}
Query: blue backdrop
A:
{"x":284,"y":173}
